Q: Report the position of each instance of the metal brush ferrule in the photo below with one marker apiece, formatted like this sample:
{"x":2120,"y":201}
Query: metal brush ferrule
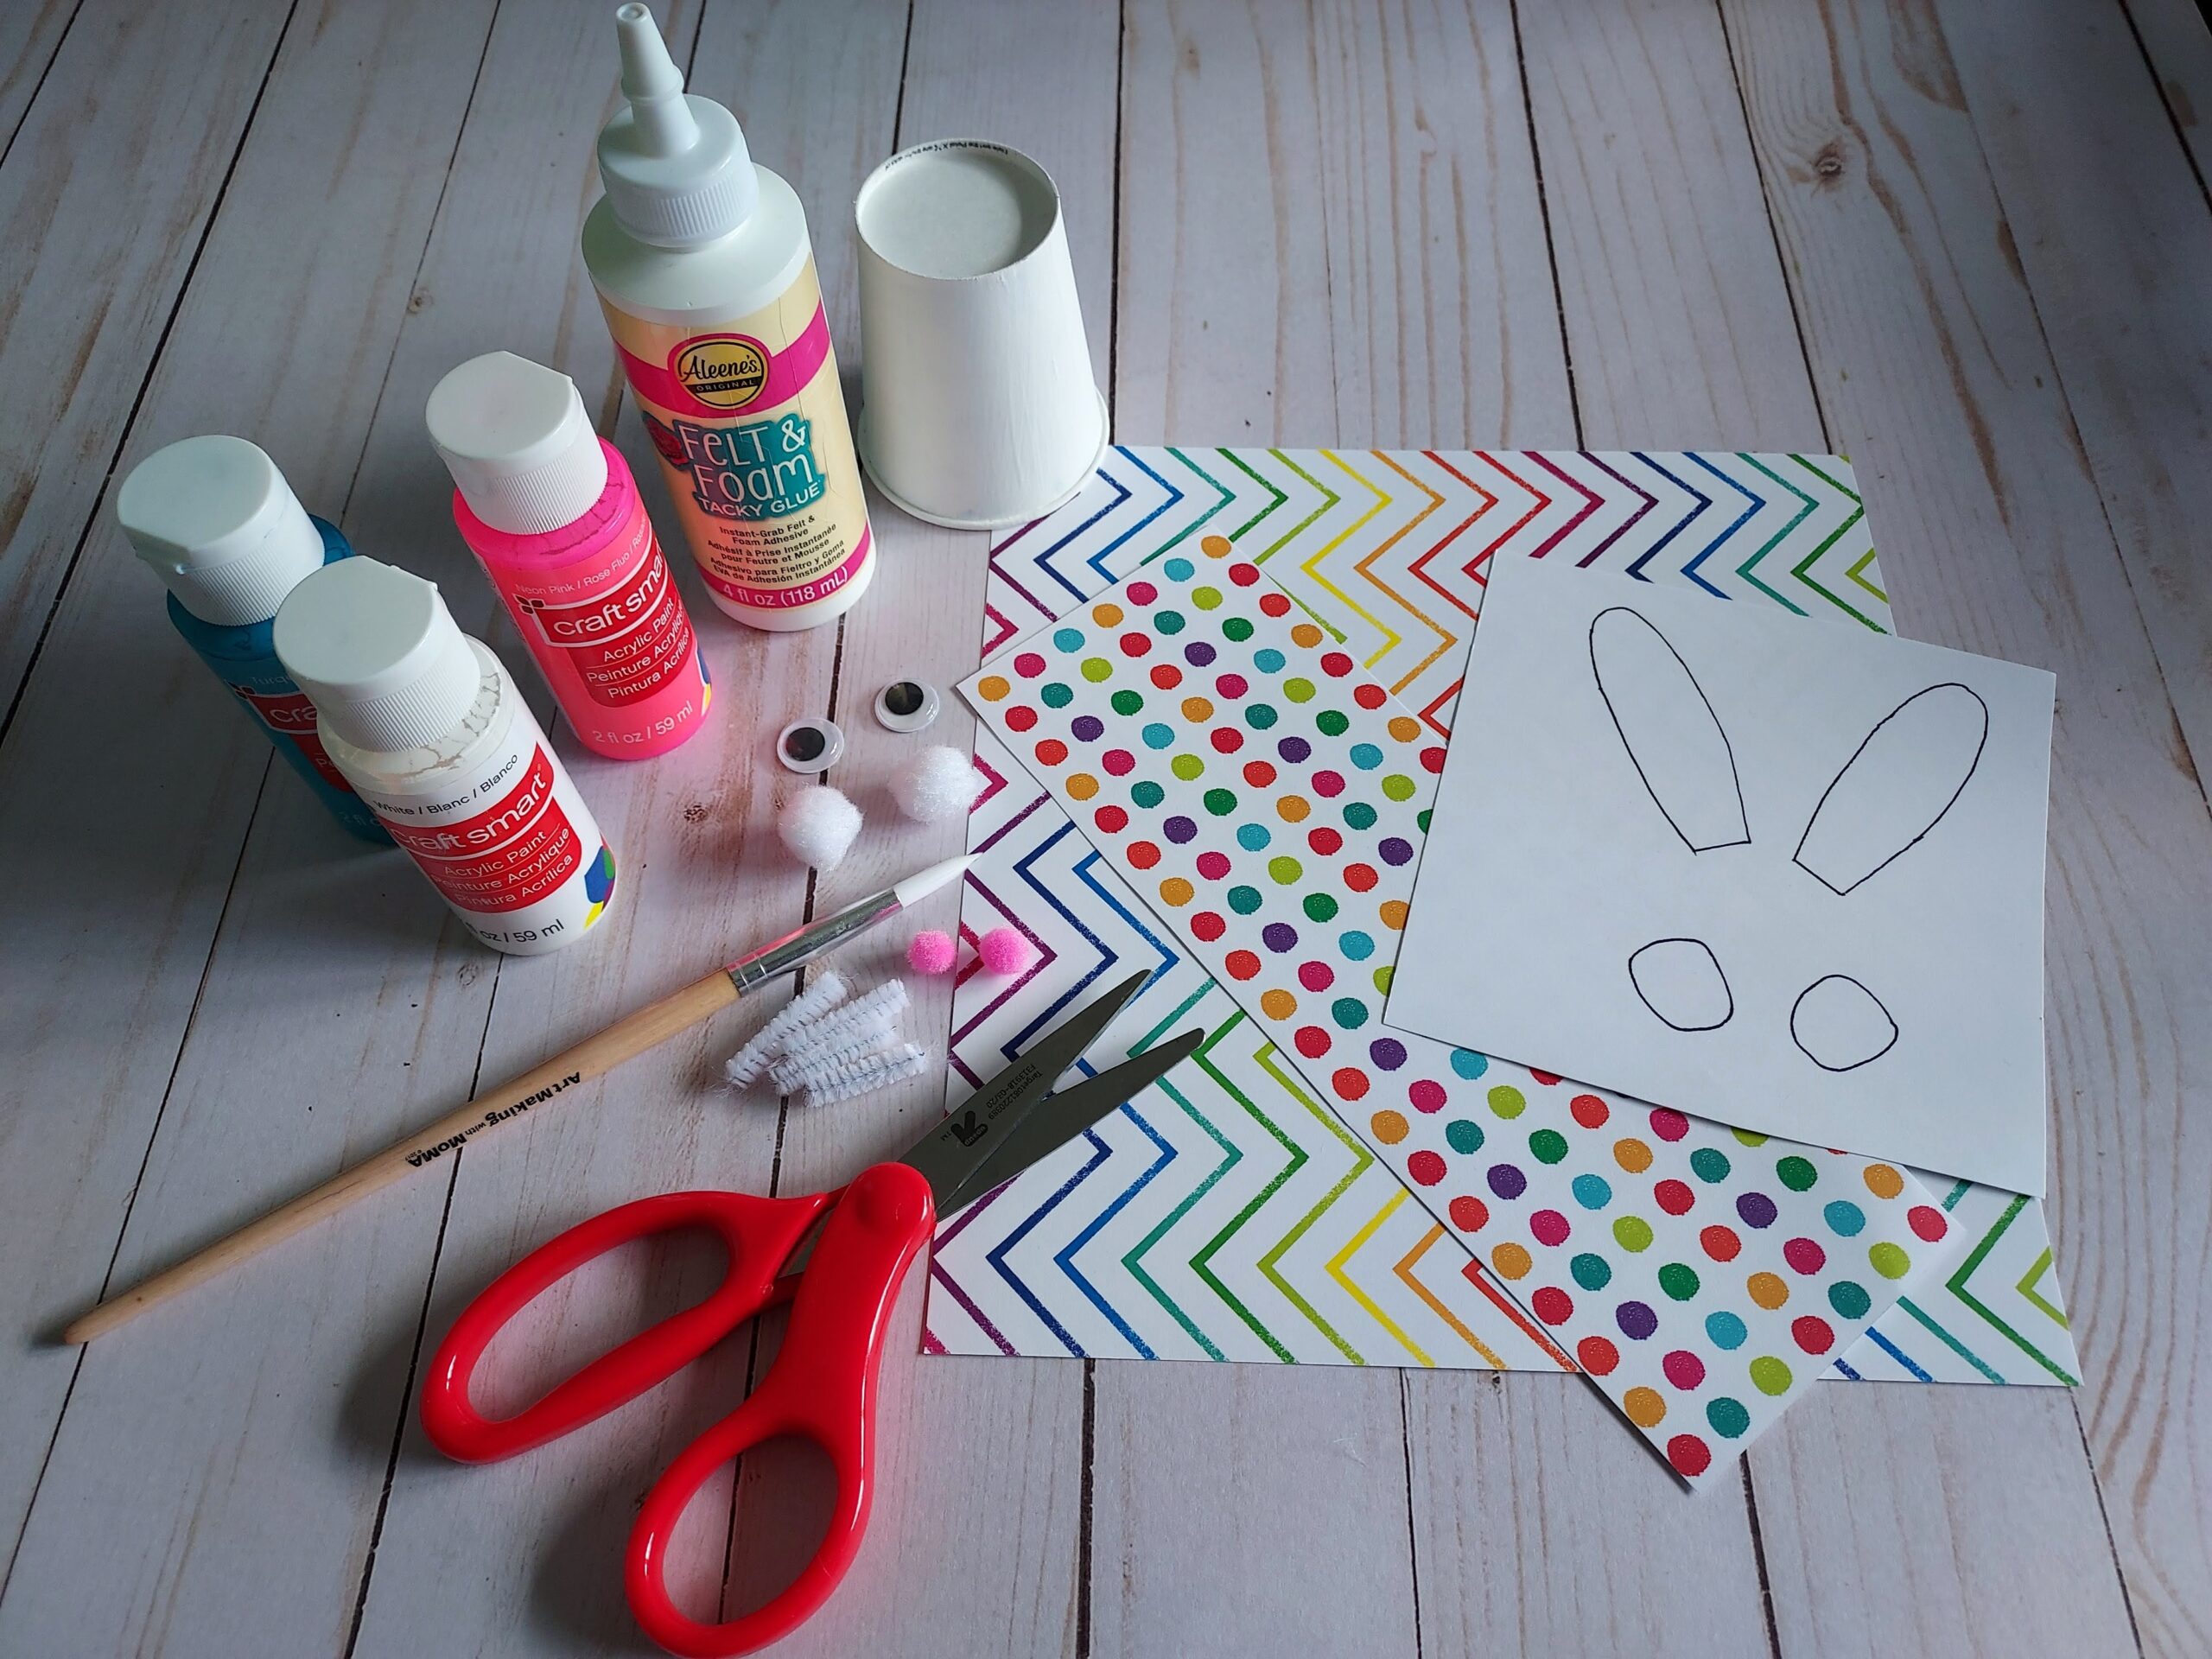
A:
{"x":804,"y":943}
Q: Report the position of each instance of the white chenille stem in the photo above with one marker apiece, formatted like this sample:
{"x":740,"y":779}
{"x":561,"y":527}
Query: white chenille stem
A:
{"x":888,"y":1000}
{"x":832,"y":1072}
{"x":906,"y":1061}
{"x":872,"y":1026}
{"x":798,"y":1070}
{"x":773,"y":1038}
{"x":816,"y":1039}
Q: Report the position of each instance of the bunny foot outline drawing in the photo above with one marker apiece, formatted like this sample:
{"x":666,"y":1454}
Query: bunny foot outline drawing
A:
{"x":1900,"y":782}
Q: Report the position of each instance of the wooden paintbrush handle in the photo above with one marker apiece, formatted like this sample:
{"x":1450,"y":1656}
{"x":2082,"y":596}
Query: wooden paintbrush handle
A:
{"x":542,"y":1084}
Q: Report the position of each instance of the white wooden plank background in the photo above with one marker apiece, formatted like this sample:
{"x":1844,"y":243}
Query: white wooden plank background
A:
{"x":1960,"y":240}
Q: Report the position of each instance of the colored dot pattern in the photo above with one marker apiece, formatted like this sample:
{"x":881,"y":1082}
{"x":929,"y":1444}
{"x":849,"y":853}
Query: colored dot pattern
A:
{"x":1269,"y":800}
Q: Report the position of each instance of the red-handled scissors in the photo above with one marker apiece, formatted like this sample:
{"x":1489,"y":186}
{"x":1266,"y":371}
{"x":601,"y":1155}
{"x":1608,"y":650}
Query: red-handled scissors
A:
{"x":822,"y":1384}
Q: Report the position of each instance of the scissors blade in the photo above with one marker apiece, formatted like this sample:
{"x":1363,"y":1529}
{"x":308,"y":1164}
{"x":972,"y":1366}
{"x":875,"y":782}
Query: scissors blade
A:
{"x":1069,"y":1113}
{"x":951,"y":1149}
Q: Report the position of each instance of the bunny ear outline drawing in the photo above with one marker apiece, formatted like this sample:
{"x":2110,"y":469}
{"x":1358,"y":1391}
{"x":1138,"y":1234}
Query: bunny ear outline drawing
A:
{"x":1898,"y":784}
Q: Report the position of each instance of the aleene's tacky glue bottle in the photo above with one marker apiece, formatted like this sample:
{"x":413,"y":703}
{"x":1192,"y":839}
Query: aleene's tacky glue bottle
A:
{"x":215,"y":520}
{"x":707,"y":277}
{"x":554,"y":517}
{"x":430,"y":729}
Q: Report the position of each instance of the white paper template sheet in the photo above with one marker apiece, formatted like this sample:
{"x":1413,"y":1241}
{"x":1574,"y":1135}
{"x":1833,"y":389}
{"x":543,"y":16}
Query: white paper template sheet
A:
{"x":1789,"y":877}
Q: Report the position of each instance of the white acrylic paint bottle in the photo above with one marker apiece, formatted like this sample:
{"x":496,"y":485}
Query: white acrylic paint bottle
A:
{"x":428,"y":727}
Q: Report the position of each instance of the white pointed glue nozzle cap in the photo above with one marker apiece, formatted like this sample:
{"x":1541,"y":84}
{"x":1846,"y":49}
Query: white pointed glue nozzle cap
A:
{"x":515,"y":437}
{"x":653,"y":85}
{"x":379,"y":655}
{"x":215,"y":520}
{"x":675,"y":165}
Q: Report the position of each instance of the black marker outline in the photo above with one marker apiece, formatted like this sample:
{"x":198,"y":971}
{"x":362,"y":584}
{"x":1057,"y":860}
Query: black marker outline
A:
{"x":1735,"y":778}
{"x":1820,"y":805}
{"x":1880,"y":1006}
{"x":1719,"y":973}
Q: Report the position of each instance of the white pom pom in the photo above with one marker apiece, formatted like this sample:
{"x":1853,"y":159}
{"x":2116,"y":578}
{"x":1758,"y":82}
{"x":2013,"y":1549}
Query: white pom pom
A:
{"x":938,"y":783}
{"x":818,"y":824}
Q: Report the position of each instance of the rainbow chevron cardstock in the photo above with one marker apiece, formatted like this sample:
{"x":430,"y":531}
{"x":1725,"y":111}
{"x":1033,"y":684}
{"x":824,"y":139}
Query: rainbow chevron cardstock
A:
{"x":1238,"y":1219}
{"x":1270,"y":800}
{"x":1226,"y":1214}
{"x":1988,"y":1309}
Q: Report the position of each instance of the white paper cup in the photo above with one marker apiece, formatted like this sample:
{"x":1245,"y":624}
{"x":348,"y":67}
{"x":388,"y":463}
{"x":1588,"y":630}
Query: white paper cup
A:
{"x":978,"y":405}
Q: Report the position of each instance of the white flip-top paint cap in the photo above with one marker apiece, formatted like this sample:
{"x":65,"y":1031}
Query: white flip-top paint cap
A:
{"x":215,"y":520}
{"x":379,"y":655}
{"x":515,"y":436}
{"x":980,"y":407}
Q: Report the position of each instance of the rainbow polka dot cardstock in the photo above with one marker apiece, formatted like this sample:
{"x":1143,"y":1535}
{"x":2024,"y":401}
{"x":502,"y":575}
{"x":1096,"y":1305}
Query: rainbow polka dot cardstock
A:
{"x":1268,"y":799}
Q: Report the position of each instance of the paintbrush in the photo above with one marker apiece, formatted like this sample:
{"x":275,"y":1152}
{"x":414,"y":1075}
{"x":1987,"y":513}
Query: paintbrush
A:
{"x":540,"y":1086}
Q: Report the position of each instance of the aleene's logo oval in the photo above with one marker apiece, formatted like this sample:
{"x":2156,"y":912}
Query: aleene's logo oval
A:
{"x":722,"y":371}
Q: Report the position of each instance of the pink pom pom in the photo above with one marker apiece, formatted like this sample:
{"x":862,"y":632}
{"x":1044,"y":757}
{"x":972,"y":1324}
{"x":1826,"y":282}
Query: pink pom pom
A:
{"x":931,"y":952}
{"x":1007,"y":951}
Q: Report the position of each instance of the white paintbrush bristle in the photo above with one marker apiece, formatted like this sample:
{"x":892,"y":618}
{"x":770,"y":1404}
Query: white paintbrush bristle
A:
{"x":923,"y":883}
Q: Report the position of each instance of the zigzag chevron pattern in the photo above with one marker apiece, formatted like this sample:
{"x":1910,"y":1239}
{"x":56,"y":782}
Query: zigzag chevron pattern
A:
{"x":1990,"y":1313}
{"x":1388,"y":549}
{"x":1230,"y":1221}
{"x":1224,"y":1214}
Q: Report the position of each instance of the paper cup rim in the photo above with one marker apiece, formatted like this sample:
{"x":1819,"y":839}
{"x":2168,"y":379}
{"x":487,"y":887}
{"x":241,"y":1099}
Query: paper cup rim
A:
{"x":883,"y":168}
{"x":1022,"y":516}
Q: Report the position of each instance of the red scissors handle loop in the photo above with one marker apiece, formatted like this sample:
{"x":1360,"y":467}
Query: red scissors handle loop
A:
{"x":760,"y":1234}
{"x":822,"y":1386}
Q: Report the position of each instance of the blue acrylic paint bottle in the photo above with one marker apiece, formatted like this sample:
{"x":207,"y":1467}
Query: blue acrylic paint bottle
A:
{"x":215,"y":520}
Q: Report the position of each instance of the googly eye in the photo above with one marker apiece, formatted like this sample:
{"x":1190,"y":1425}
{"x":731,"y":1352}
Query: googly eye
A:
{"x":810,"y":746}
{"x":907,"y":705}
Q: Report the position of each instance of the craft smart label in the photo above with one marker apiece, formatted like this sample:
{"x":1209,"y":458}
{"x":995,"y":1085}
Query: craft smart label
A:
{"x":290,"y":717}
{"x":513,"y":849}
{"x":626,"y":634}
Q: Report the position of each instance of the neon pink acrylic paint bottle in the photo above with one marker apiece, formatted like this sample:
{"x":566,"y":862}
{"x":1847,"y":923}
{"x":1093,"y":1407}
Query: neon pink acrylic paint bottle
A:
{"x":552,"y":512}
